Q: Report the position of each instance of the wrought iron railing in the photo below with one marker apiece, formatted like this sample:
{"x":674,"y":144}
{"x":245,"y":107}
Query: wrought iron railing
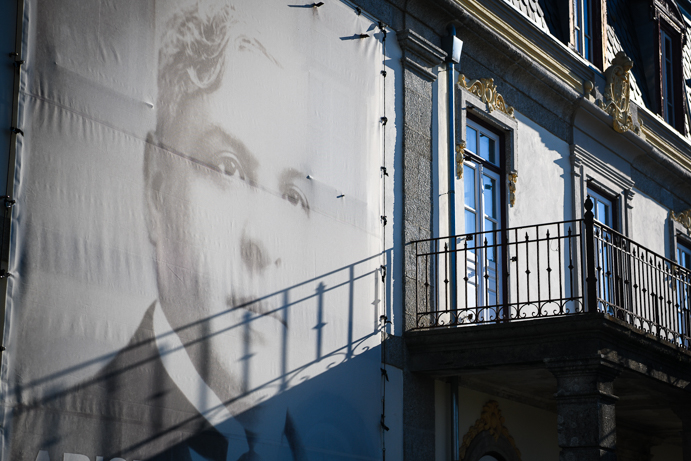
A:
{"x":546,"y":270}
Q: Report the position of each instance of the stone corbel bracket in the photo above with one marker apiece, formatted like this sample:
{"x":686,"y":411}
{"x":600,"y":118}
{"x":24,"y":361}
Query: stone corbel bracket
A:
{"x":460,"y":157}
{"x":617,"y":94}
{"x":486,"y":90}
{"x":513,"y":177}
{"x":683,"y":218}
{"x":419,"y":54}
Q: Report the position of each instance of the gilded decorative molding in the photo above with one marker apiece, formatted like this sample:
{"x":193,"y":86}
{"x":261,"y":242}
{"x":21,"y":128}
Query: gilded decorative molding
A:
{"x":486,"y":90}
{"x":617,"y":94}
{"x":683,"y":218}
{"x":490,"y":420}
{"x":460,"y":157}
{"x":513,"y":177}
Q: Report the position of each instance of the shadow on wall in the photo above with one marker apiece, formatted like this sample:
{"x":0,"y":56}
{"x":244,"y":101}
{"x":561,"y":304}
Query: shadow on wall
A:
{"x":158,"y":399}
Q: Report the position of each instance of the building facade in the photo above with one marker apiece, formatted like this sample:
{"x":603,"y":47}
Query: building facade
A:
{"x":403,"y":229}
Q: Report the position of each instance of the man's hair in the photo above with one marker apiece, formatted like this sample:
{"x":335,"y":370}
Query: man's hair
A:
{"x":192,"y":55}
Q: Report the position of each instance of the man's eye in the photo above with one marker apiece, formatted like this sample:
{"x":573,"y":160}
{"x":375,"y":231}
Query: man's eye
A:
{"x":295,"y":196}
{"x":230,"y":165}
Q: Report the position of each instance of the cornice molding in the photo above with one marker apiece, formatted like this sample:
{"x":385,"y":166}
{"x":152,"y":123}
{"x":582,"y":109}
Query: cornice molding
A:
{"x":582,"y":157}
{"x":419,"y":54}
{"x":667,"y":140}
{"x":526,"y":40}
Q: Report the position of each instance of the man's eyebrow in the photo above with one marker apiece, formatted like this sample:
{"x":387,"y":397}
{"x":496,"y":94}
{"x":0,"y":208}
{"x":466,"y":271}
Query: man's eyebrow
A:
{"x":219,"y":139}
{"x":291,"y":174}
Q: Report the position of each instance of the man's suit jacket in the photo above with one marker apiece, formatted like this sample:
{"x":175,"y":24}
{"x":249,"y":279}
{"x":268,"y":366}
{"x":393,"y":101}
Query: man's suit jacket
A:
{"x":131,"y":409}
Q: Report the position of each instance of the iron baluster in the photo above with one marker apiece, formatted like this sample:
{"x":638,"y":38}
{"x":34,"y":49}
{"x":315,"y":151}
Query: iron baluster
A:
{"x":590,"y":256}
{"x":527,"y":269}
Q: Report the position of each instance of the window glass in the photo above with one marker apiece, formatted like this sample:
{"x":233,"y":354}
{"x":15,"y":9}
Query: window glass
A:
{"x":490,"y":193}
{"x":684,"y":256}
{"x":602,"y":208}
{"x":469,"y":222}
{"x":469,"y":186}
{"x":488,"y":149}
{"x":582,"y":28}
{"x":471,"y":139}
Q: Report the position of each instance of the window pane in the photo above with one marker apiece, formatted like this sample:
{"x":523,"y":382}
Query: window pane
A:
{"x":471,"y":139}
{"x":487,"y":149}
{"x":489,"y":186}
{"x":469,"y":222}
{"x":489,"y":236}
{"x":600,"y":212}
{"x":469,"y":186}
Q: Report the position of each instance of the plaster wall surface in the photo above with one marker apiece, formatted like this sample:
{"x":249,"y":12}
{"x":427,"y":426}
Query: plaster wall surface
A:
{"x":543,"y":190}
{"x":533,"y":430}
{"x":597,"y":144}
{"x":649,"y":221}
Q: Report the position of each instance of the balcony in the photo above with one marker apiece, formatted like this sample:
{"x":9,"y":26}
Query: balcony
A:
{"x":550,"y":270}
{"x":571,"y":317}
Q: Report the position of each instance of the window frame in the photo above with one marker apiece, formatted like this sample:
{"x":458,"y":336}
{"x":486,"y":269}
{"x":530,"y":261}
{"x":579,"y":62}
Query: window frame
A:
{"x":496,"y":172}
{"x":469,"y":106}
{"x":590,"y":172}
{"x":594,"y":21}
{"x":674,"y":116}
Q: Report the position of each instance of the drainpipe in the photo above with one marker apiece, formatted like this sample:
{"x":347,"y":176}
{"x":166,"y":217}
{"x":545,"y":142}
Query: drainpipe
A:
{"x":453,"y":46}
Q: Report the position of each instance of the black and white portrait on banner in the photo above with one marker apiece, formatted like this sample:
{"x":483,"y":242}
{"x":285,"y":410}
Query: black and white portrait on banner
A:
{"x":259,"y":200}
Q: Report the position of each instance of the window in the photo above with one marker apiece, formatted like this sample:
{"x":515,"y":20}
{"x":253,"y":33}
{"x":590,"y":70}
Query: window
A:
{"x":684,"y":256}
{"x":587,"y":34}
{"x":582,"y":28}
{"x":483,"y":202}
{"x":602,"y":208}
{"x":609,"y":273}
{"x":667,"y":64}
{"x":683,"y":291}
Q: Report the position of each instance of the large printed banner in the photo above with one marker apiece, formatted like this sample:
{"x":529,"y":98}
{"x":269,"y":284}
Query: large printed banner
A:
{"x":197,"y":239}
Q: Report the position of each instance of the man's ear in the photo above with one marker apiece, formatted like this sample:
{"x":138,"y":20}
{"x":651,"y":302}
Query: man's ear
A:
{"x":153,"y":181}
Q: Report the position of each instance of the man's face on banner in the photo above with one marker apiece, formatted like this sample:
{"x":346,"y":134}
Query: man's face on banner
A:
{"x":236,"y":220}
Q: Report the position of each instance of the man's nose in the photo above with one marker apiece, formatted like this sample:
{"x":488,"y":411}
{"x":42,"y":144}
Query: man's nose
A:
{"x":254,"y":255}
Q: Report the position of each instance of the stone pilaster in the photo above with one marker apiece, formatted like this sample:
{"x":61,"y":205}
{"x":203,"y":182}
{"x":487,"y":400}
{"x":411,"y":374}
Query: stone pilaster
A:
{"x":585,"y":409}
{"x":420,"y":58}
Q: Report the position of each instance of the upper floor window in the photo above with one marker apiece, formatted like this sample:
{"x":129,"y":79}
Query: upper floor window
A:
{"x":586,"y":28}
{"x":668,"y":70}
{"x":583,"y":28}
{"x":603,"y":208}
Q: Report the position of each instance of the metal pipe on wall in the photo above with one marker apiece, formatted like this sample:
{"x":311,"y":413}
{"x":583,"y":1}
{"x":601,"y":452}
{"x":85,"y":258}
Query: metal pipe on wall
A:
{"x":449,"y":48}
{"x":453,"y":47}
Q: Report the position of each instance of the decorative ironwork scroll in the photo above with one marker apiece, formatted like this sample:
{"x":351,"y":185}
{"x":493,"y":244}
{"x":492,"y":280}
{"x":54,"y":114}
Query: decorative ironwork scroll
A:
{"x":460,"y":156}
{"x":513,"y":177}
{"x":683,"y":218}
{"x":617,"y":93}
{"x":490,"y":420}
{"x":486,"y":90}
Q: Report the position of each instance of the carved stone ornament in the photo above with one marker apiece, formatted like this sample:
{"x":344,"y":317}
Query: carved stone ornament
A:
{"x":460,"y":157}
{"x":513,"y":177}
{"x":486,"y":90}
{"x":618,"y":92}
{"x":492,"y":421}
{"x":683,"y":218}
